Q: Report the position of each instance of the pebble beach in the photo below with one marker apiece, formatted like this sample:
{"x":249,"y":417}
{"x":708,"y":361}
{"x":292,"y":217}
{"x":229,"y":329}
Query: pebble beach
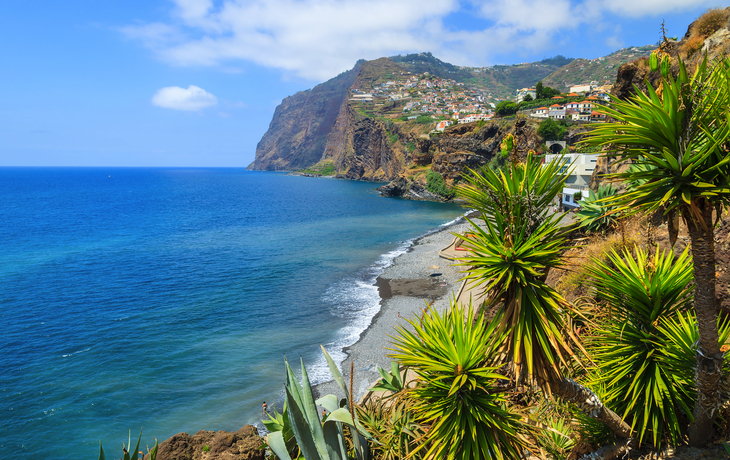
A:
{"x":416,"y":279}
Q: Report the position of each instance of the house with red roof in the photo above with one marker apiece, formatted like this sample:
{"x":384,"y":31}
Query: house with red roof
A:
{"x":542,"y":112}
{"x":598,"y":116}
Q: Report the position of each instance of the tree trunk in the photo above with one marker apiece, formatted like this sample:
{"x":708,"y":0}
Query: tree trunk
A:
{"x":592,"y":406}
{"x":610,"y":451}
{"x":709,"y":358}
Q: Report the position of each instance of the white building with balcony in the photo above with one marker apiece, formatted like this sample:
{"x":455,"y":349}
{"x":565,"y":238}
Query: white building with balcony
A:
{"x":581,"y":166}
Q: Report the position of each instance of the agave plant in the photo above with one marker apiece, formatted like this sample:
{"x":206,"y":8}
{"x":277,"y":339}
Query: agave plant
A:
{"x":317,"y":440}
{"x":683,"y":135}
{"x":596,"y":213}
{"x":631,"y":347}
{"x":134,"y":455}
{"x":460,"y":393}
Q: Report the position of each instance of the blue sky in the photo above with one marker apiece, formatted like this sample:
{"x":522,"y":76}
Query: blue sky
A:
{"x":196,"y":82}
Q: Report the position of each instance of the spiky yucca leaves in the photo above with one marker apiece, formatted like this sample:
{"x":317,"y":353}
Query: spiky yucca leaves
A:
{"x":630,"y":348}
{"x":684,"y":134}
{"x":394,"y":426}
{"x":596,"y":213}
{"x":459,"y":393}
{"x":682,"y":138}
{"x":516,"y":198}
{"x":510,"y":257}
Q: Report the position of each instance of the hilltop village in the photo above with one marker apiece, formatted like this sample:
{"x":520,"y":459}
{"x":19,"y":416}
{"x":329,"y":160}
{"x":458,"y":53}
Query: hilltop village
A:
{"x":407,"y":97}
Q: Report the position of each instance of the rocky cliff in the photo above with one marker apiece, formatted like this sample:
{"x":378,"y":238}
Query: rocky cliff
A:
{"x":468,"y":145}
{"x":297,"y":134}
{"x":336,"y":123}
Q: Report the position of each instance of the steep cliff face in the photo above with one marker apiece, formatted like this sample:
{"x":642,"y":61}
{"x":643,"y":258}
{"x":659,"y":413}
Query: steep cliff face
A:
{"x":471,"y":146}
{"x":463,"y":146}
{"x":298,"y":131}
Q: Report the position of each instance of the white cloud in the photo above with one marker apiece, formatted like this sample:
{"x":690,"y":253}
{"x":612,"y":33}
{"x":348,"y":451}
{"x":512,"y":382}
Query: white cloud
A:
{"x":317,"y":39}
{"x":175,"y":97}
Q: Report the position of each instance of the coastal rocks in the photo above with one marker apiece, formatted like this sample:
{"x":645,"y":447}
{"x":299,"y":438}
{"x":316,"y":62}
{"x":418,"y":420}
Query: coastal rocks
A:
{"x":397,"y":187}
{"x":401,"y":187}
{"x":244,"y":444}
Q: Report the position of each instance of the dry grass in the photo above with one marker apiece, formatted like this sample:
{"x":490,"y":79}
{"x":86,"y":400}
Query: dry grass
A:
{"x":572,"y":281}
{"x":692,"y":45}
{"x":707,"y":24}
{"x":710,"y":22}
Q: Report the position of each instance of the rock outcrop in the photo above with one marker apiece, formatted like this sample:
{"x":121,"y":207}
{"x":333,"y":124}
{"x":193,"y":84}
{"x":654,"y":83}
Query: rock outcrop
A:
{"x":692,"y":49}
{"x":468,"y":145}
{"x":297,"y":134}
{"x":244,"y":444}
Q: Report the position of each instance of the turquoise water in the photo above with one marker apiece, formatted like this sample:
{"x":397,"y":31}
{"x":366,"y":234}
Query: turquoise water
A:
{"x":167,"y":298}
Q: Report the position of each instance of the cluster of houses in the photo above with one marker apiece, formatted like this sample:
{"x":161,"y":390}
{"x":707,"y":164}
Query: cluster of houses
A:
{"x":425,"y":94}
{"x":586,"y":110}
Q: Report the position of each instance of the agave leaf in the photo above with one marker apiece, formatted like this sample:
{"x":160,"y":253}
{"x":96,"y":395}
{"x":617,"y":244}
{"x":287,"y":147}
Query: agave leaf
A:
{"x":276,"y":442}
{"x":302,"y":429}
{"x":153,"y":452}
{"x":335,"y":373}
{"x":101,"y":452}
{"x":329,"y":402}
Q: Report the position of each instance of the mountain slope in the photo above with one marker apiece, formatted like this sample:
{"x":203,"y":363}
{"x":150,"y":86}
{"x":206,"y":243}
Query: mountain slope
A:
{"x":366,"y":123}
{"x":602,"y":70}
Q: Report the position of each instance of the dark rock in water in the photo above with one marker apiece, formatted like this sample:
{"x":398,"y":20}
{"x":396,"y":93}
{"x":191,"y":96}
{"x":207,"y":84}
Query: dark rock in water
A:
{"x":397,"y":187}
{"x":408,"y":190}
{"x":244,"y":444}
{"x":419,"y":192}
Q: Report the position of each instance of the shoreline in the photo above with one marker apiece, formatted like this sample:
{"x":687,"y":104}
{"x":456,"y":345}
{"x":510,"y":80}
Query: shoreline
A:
{"x":406,"y":287}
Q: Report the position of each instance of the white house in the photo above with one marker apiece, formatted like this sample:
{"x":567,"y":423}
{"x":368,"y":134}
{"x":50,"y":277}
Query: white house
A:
{"x":522,"y":93}
{"x":581,"y":89}
{"x":556,"y":111}
{"x":542,"y":112}
{"x":443,"y":124}
{"x":581,"y":166}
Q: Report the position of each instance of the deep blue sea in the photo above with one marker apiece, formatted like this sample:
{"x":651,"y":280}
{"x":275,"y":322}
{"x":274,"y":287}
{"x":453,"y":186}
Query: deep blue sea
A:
{"x":167,"y":298}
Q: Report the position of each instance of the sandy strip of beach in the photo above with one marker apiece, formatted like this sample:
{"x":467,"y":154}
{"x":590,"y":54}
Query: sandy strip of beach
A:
{"x":406,"y":288}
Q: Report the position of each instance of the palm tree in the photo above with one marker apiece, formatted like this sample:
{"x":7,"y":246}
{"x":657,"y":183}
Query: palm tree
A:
{"x":510,"y":257}
{"x":681,"y":135}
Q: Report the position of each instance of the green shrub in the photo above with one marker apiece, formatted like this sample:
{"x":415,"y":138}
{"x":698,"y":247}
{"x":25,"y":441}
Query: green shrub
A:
{"x":597,"y":213}
{"x":206,"y":448}
{"x":459,"y":393}
{"x":635,"y":349}
{"x":435,"y":184}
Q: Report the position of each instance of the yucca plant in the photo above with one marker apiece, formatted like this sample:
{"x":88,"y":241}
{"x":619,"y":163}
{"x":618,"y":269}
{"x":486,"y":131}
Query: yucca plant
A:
{"x":630,"y":348}
{"x":394,"y":426}
{"x":510,"y":257}
{"x":596,"y":212}
{"x":556,"y":437}
{"x":460,"y":393}
{"x":683,"y":135}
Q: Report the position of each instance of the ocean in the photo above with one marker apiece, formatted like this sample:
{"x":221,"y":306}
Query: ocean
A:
{"x":167,"y":298}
